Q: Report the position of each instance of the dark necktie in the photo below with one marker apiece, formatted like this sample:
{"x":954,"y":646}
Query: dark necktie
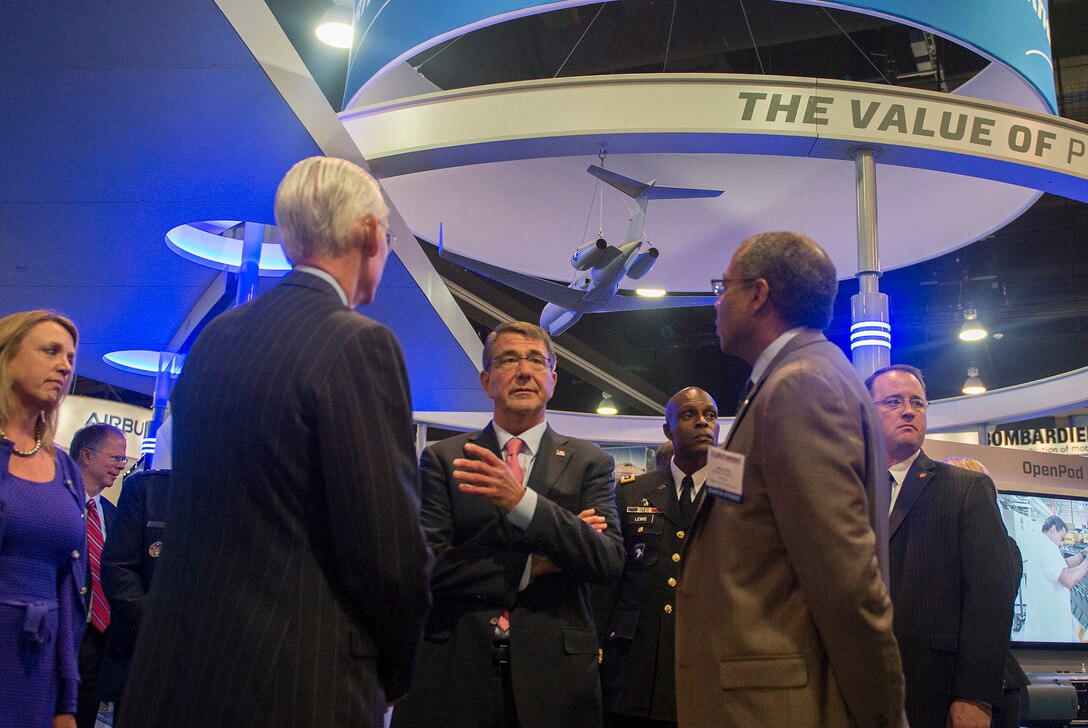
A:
{"x":893,"y":488}
{"x":100,"y":608}
{"x":687,"y":505}
{"x":744,"y":395}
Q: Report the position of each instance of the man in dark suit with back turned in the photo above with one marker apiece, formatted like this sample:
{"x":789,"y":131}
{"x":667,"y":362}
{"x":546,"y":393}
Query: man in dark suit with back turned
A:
{"x":521,"y":520}
{"x":294,"y":586}
{"x":783,"y":616}
{"x":637,"y":670}
{"x":953,"y":580}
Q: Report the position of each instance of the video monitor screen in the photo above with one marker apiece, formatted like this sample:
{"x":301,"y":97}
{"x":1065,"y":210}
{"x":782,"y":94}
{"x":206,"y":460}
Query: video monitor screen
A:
{"x":1051,"y":532}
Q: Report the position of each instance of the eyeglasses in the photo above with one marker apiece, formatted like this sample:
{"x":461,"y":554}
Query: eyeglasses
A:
{"x":121,"y":460}
{"x":718,"y":285}
{"x":895,"y":402}
{"x":510,"y":362}
{"x":390,"y":238}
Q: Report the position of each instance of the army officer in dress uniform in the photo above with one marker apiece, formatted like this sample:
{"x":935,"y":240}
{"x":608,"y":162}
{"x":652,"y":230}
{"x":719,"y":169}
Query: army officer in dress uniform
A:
{"x":655,"y":509}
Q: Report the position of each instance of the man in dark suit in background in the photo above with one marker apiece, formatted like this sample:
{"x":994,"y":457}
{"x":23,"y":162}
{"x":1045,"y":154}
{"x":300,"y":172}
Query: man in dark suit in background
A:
{"x":128,"y":565}
{"x":783,"y":615}
{"x":952,"y":573}
{"x":638,"y":678}
{"x":521,"y":520}
{"x":295,"y":584}
{"x":99,"y":451}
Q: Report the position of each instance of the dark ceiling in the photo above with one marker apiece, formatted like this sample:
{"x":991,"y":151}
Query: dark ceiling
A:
{"x":1028,"y":281}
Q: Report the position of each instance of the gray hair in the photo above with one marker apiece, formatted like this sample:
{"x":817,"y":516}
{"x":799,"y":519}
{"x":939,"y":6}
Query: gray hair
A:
{"x":318,"y":203}
{"x":521,"y":328}
{"x":800,"y":276}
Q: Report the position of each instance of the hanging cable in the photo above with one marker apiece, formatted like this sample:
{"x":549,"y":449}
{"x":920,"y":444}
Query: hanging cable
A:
{"x":752,"y":36}
{"x":564,"y":63}
{"x":863,"y":53}
{"x":438,"y":52}
{"x":668,"y":42}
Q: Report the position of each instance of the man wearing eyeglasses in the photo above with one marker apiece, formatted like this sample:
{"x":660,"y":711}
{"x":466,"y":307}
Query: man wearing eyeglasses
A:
{"x":782,"y":614}
{"x":952,"y":574}
{"x":99,"y":451}
{"x":521,"y":520}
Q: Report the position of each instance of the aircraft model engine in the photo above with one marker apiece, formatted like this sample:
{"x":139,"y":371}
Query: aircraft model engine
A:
{"x":643,"y":263}
{"x":589,"y":255}
{"x":556,"y":319}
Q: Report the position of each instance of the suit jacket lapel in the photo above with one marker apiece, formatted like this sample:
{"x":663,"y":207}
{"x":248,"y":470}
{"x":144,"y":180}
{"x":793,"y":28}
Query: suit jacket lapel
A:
{"x":548,"y":465}
{"x":663,"y":498}
{"x":918,"y":478}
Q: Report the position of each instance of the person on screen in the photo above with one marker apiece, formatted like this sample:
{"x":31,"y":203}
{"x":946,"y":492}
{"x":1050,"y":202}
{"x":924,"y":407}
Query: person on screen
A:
{"x":1050,"y":576}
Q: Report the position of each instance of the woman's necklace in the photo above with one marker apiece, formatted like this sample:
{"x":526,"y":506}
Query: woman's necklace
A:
{"x":39,"y":431}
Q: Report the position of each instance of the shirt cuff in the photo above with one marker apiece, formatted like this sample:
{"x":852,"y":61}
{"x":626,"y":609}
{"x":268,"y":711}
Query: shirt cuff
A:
{"x":522,"y":515}
{"x":525,"y":575}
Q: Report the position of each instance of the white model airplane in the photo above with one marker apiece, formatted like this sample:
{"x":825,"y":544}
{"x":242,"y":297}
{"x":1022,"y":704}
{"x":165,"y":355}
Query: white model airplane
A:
{"x":601,"y":267}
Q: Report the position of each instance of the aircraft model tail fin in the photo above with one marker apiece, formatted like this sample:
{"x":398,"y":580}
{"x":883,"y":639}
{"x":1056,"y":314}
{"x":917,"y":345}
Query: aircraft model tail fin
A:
{"x":648,"y":190}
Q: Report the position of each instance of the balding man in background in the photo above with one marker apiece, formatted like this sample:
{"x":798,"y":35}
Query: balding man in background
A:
{"x":637,"y":669}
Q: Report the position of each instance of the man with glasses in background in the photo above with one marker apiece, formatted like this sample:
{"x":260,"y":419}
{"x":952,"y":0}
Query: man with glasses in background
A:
{"x":521,"y":520}
{"x":99,"y":451}
{"x":953,"y":580}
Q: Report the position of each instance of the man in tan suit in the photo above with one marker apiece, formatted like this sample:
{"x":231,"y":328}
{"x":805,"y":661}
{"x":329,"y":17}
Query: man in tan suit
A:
{"x":783,"y":615}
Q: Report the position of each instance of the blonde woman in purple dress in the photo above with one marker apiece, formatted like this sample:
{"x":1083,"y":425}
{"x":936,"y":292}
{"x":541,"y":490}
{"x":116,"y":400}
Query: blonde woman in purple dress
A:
{"x":42,"y":532}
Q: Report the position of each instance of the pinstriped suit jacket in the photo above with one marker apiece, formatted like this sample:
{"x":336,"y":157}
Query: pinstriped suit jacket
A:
{"x":295,"y":584}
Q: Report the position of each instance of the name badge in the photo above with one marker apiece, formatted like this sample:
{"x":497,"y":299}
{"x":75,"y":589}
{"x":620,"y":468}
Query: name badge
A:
{"x":646,"y":518}
{"x":725,"y":474}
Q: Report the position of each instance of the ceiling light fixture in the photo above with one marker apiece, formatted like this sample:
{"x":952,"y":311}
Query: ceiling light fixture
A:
{"x":973,"y":385}
{"x":335,"y":26}
{"x":972,"y":329}
{"x":606,"y":405}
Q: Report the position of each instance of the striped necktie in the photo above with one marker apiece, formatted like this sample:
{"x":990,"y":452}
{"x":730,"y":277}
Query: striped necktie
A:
{"x":513,"y":447}
{"x":100,"y":608}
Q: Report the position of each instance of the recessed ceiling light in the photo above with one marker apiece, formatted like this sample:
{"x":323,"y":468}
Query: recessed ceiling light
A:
{"x":335,"y":27}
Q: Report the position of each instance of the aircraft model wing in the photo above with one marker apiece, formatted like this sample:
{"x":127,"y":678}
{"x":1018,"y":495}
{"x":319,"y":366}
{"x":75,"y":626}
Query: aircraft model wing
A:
{"x":634,"y":188}
{"x":555,"y":293}
{"x":639,"y":303}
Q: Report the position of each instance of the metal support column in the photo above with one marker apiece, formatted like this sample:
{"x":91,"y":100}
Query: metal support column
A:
{"x":249,"y":269}
{"x":870,"y":332}
{"x":169,"y":370}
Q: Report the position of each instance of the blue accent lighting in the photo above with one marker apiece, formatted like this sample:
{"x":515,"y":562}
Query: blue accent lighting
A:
{"x":207,"y":244}
{"x":141,"y":361}
{"x":870,"y":333}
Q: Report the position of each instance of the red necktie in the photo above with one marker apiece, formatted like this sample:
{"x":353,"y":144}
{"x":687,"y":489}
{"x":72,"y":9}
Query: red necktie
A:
{"x":513,"y":447}
{"x":100,"y":608}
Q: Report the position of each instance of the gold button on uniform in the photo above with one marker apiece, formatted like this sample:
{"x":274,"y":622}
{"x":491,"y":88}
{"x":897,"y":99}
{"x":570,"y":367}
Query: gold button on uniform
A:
{"x":668,"y":609}
{"x":494,"y":621}
{"x":641,"y":529}
{"x":672,"y":581}
{"x":680,"y":534}
{"x":676,"y":558}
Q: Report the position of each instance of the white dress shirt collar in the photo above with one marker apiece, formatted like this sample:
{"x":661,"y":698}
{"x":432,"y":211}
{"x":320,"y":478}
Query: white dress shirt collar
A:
{"x":327,"y":277}
{"x":767,"y":355}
